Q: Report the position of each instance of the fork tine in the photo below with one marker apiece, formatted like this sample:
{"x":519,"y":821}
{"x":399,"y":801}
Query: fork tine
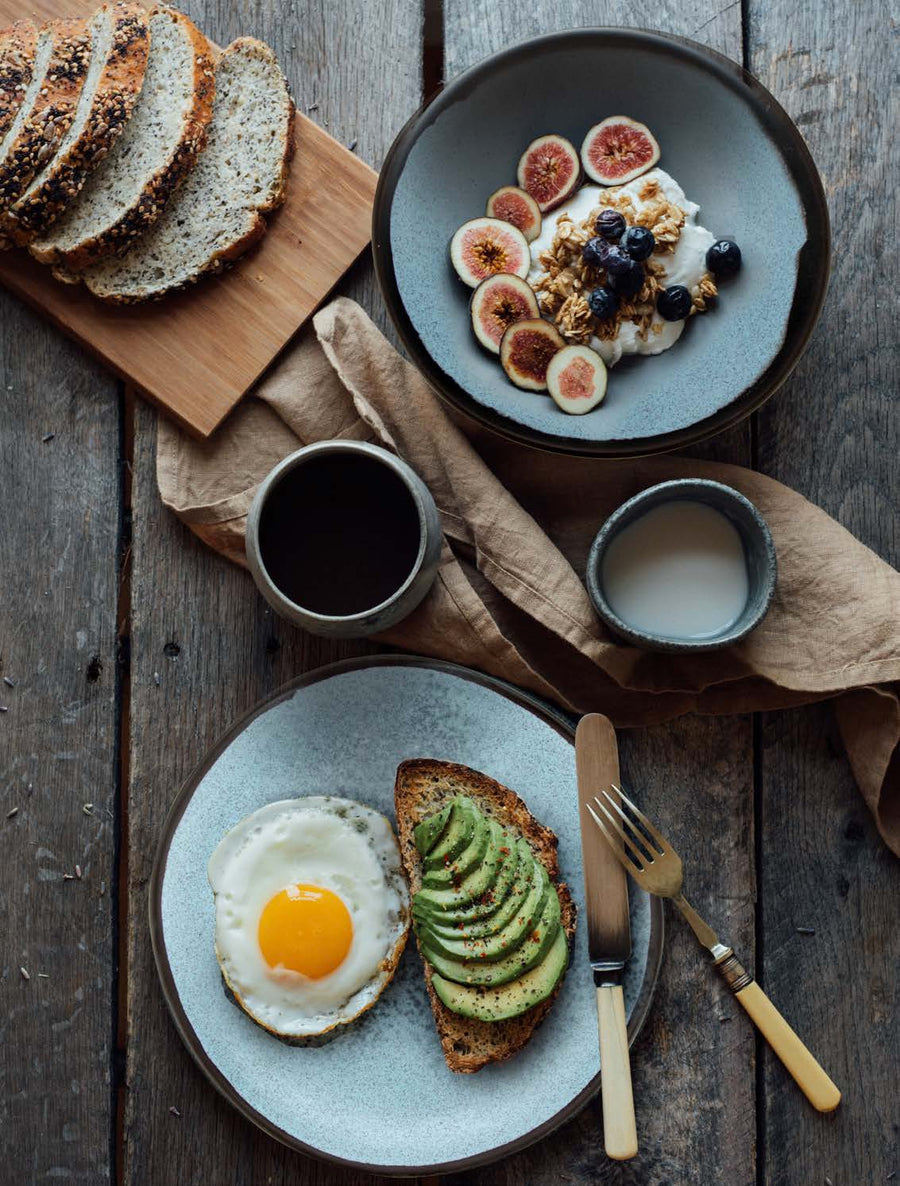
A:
{"x":626,"y":820}
{"x":662,"y":844}
{"x":630,"y":865}
{"x":631,"y":823}
{"x":642,"y":858}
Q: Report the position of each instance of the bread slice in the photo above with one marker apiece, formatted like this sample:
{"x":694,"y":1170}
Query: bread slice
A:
{"x":17,"y":46}
{"x":423,"y":786}
{"x":145,"y":165}
{"x":218,"y":213}
{"x":61,"y":64}
{"x":120,"y":42}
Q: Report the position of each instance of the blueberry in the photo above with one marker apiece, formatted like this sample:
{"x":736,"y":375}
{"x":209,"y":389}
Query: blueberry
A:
{"x":604,"y":303}
{"x":616,"y":261}
{"x":629,"y":280}
{"x":594,"y":252}
{"x":724,"y":258}
{"x":674,"y":303}
{"x":610,"y":225}
{"x":638,"y":242}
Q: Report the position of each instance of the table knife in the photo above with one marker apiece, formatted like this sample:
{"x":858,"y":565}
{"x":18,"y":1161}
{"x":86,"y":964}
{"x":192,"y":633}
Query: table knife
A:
{"x":609,"y":933}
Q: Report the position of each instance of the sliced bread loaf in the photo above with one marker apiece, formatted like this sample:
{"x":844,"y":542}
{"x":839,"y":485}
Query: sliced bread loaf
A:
{"x":17,"y":46}
{"x":424,"y":787}
{"x":119,"y":45}
{"x":159,"y":145}
{"x":61,"y":64}
{"x":217,"y":214}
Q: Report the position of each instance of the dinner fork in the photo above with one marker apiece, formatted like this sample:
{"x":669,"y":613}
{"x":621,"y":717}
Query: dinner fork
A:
{"x":657,"y":868}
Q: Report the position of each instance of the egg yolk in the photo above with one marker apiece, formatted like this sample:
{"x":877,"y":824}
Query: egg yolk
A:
{"x":305,"y":928}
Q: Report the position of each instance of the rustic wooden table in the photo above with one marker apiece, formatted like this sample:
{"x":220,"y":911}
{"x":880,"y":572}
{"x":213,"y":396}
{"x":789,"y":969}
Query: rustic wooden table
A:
{"x":129,"y":648}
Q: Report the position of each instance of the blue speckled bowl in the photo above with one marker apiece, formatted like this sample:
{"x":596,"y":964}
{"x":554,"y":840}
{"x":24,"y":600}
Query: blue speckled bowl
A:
{"x":727,"y":142}
{"x":379,"y":1096}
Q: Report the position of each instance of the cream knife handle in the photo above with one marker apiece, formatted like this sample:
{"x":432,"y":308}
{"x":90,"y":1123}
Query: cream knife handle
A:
{"x":619,"y":1130}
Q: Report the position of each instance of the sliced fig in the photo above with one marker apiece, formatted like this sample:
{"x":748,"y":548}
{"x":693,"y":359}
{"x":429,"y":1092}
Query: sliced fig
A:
{"x":549,"y":170}
{"x":618,"y":150}
{"x":526,"y":350}
{"x":511,"y":204}
{"x":485,"y":247}
{"x":497,"y":303}
{"x":576,"y":379}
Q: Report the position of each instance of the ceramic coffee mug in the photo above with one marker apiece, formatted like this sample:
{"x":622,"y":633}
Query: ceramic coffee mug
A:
{"x":343,"y":539}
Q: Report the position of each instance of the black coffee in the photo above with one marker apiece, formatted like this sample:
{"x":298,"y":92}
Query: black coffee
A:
{"x":339,"y":534}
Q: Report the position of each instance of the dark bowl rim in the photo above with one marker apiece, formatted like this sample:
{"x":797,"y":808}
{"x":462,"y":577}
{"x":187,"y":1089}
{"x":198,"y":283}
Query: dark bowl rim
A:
{"x":812,"y":271}
{"x":682,"y":489}
{"x":564,"y":725}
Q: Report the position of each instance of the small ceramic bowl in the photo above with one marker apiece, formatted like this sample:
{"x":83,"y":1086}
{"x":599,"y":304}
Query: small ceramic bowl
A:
{"x":390,"y":611}
{"x":759,"y":555}
{"x":722,"y":136}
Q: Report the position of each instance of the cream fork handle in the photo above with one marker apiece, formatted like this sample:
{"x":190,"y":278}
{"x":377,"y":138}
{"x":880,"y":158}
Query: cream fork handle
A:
{"x":809,"y":1076}
{"x":619,"y":1128}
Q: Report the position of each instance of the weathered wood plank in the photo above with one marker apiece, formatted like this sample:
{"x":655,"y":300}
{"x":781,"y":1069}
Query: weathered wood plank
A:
{"x":693,"y":1075}
{"x":59,"y":487}
{"x":359,"y":71}
{"x":823,"y":865}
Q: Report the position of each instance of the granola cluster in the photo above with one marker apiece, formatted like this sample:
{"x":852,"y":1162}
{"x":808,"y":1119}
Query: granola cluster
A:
{"x":563,"y":287}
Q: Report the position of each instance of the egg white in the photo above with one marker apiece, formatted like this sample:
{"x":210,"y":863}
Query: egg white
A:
{"x":335,"y":843}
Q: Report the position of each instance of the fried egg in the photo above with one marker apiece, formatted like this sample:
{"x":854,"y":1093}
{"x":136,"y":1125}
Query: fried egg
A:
{"x":312,"y":912}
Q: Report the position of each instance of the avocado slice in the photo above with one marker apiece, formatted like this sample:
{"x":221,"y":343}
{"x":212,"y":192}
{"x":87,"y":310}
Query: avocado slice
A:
{"x":456,"y":870}
{"x":427,"y":832}
{"x":513,"y":875}
{"x":461,"y":944}
{"x":479,"y":881}
{"x":511,"y":966}
{"x":507,"y":1000}
{"x":455,"y":836}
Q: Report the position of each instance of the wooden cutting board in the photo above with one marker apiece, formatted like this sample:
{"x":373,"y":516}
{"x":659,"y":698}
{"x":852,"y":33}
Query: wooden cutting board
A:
{"x":196,"y":354}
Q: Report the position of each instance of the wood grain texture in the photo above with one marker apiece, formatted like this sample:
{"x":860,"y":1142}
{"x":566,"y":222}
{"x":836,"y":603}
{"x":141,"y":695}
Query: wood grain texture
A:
{"x":197,"y":625}
{"x":832,"y":433}
{"x":198,"y":352}
{"x":685,"y":1054}
{"x":359,"y":66}
{"x":59,"y":489}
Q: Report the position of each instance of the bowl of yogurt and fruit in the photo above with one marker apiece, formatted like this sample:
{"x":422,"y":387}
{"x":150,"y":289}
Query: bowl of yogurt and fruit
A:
{"x":605,"y":242}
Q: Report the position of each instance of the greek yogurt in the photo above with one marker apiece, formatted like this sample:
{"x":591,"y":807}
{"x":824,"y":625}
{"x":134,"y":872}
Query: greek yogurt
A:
{"x":685,"y":265}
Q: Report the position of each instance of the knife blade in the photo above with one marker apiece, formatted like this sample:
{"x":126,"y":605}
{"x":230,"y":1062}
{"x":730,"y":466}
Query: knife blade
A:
{"x":605,"y":883}
{"x":609,"y":933}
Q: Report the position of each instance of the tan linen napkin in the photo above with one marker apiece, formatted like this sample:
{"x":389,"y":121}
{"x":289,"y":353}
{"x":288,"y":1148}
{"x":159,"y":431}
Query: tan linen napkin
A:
{"x":509,"y":597}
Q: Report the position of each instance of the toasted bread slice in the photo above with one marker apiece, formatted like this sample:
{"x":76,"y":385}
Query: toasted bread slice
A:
{"x":424,"y":786}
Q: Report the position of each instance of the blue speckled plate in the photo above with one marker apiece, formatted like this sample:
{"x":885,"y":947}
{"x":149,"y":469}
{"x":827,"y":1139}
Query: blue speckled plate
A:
{"x":723,"y":137}
{"x":344,"y":729}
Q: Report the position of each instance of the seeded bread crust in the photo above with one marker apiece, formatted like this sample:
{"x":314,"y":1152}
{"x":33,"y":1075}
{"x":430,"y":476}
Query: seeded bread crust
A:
{"x":17,"y":46}
{"x":117,"y":88}
{"x":423,"y":786}
{"x":52,"y":112}
{"x":166,"y":260}
{"x":118,"y":236}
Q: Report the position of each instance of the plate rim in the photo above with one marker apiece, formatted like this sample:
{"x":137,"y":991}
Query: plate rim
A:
{"x":812,"y":273}
{"x":552,"y":716}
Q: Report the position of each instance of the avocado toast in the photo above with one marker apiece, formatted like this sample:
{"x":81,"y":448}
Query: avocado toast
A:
{"x":493,"y":924}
